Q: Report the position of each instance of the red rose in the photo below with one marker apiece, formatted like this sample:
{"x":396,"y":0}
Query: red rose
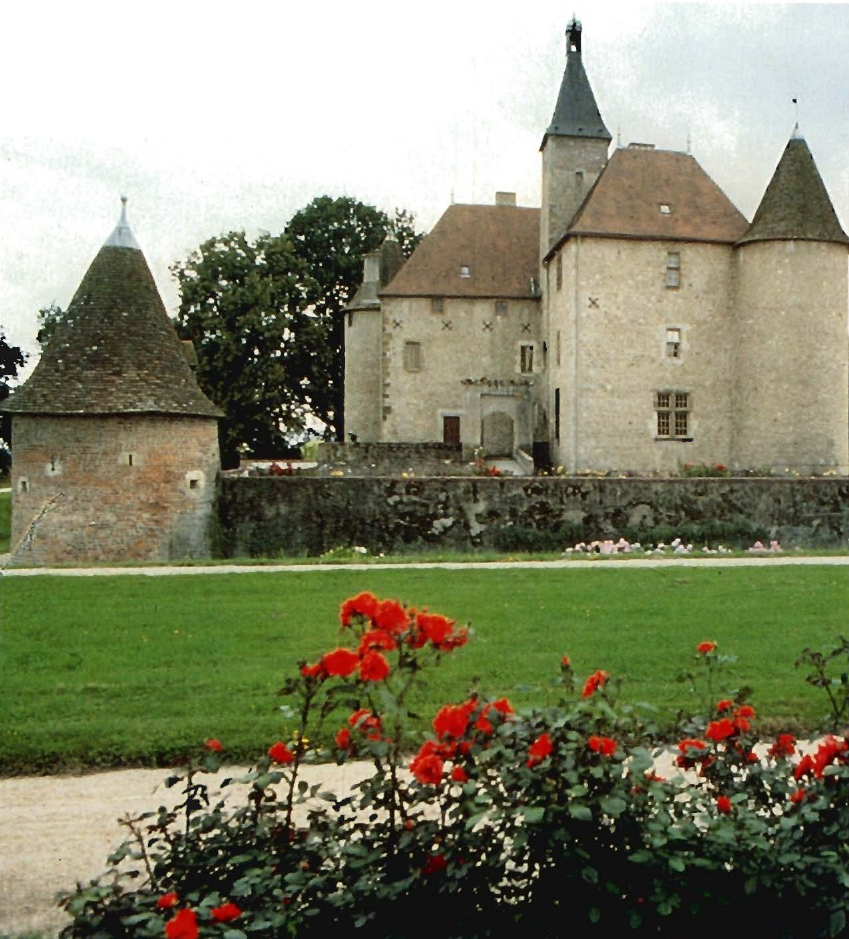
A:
{"x":373,"y":667}
{"x":724,"y":705}
{"x":427,"y":766}
{"x":312,"y":671}
{"x":745,"y":711}
{"x":705,"y":647}
{"x":167,"y":900}
{"x":565,"y":662}
{"x":719,"y":730}
{"x":213,"y":744}
{"x":376,"y":639}
{"x":435,"y":627}
{"x":830,"y":749}
{"x":458,"y":774}
{"x":453,"y":719}
{"x":225,"y":913}
{"x":539,"y":749}
{"x":183,"y":926}
{"x":392,"y":616}
{"x":603,"y":745}
{"x":340,"y":662}
{"x":363,"y":604}
{"x":797,"y":796}
{"x":785,"y":745}
{"x":689,"y":753}
{"x":366,"y":721}
{"x":280,"y":753}
{"x":343,"y":738}
{"x":803,"y":767}
{"x":723,"y":803}
{"x":457,"y":638}
{"x":434,"y":864}
{"x":597,"y":680}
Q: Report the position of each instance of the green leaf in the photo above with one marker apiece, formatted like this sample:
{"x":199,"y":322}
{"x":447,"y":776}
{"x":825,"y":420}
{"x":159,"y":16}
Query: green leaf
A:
{"x":533,"y":814}
{"x":613,"y":805}
{"x":836,"y":923}
{"x":580,"y":813}
{"x":594,"y":914}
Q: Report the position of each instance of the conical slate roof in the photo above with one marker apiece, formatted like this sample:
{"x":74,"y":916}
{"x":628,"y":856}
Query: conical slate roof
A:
{"x":796,"y":204}
{"x":576,"y":114}
{"x":115,"y":351}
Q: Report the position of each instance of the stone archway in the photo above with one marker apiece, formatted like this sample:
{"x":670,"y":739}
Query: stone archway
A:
{"x":497,"y":434}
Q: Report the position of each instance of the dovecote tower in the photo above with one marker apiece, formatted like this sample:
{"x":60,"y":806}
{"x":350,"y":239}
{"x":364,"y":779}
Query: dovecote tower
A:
{"x":115,"y":445}
{"x":574,"y":148}
{"x":791,"y":397}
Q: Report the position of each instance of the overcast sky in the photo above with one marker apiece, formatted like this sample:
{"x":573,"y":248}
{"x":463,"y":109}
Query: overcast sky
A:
{"x":215,"y":117}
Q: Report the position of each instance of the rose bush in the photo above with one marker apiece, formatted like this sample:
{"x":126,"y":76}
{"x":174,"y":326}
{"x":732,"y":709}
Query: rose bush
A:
{"x":551,"y":819}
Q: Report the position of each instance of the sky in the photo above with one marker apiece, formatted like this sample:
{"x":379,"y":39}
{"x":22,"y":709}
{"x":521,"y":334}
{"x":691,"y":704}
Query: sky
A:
{"x":214,"y":118}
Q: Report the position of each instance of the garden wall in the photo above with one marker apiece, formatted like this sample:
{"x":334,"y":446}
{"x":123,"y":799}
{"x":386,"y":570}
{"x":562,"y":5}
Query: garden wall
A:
{"x":296,"y":515}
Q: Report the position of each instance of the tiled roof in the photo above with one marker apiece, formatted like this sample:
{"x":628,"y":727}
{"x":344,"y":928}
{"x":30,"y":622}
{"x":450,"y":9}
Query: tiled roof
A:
{"x":115,"y":351}
{"x":796,"y":204}
{"x":629,"y":197}
{"x":498,"y":244}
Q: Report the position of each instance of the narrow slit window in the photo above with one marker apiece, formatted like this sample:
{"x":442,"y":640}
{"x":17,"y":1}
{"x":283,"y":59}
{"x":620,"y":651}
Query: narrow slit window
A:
{"x":526,"y":358}
{"x":412,"y":356}
{"x":673,"y":343}
{"x":673,"y":269}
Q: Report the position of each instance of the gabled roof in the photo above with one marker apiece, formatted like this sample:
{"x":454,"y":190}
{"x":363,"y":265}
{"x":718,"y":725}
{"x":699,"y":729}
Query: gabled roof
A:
{"x":630,"y":194}
{"x":796,"y":204}
{"x":576,"y":113}
{"x":115,"y":351}
{"x":499,"y":245}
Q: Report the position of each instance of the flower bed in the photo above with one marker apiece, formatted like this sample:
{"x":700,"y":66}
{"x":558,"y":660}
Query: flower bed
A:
{"x":550,"y":819}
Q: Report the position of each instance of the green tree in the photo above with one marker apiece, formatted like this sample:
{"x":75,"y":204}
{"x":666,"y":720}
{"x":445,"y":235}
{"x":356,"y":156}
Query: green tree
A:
{"x":265,"y":317}
{"x":11,"y":359}
{"x":48,"y":320}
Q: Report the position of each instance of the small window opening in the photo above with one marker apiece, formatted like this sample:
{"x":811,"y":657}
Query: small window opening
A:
{"x":437,"y":305}
{"x":194,"y":483}
{"x":501,"y":308}
{"x":412,"y":356}
{"x":23,"y":484}
{"x":526,"y":358}
{"x":673,"y":343}
{"x":673,"y":269}
{"x":465,"y":271}
{"x":664,"y":209}
{"x":129,"y":459}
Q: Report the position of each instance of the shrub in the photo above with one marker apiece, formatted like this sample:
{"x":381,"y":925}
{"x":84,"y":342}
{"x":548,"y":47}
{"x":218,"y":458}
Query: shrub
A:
{"x":551,"y":819}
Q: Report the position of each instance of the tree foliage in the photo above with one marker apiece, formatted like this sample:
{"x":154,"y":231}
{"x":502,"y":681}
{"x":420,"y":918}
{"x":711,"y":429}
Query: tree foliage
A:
{"x":48,"y":319}
{"x":265,"y":319}
{"x":11,"y":359}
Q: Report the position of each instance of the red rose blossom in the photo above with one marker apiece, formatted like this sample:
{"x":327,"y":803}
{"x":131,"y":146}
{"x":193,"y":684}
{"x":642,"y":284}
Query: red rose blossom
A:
{"x":458,"y":774}
{"x":723,"y":803}
{"x":213,"y":744}
{"x":745,"y":711}
{"x":343,"y":738}
{"x":280,"y":753}
{"x":340,"y":662}
{"x":225,"y":913}
{"x":785,"y":745}
{"x":603,"y":745}
{"x":392,"y":616}
{"x":597,"y":680}
{"x":427,"y":766}
{"x":705,"y":647}
{"x":365,"y":721}
{"x":565,"y":662}
{"x":183,"y":926}
{"x":720,"y":730}
{"x":434,"y":864}
{"x":453,"y":719}
{"x":363,"y":604}
{"x":539,"y":750}
{"x":724,"y":705}
{"x":167,"y":900}
{"x":797,"y":796}
{"x":377,"y":639}
{"x":436,"y":628}
{"x":373,"y":667}
{"x":312,"y":671}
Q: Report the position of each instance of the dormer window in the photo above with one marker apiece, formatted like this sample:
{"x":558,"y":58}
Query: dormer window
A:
{"x":665,"y":209}
{"x":465,"y":271}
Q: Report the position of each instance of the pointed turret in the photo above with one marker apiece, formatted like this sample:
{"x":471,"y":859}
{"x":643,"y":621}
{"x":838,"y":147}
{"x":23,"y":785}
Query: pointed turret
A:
{"x":115,"y":351}
{"x":576,"y":113}
{"x":796,"y":204}
{"x":574,"y":147}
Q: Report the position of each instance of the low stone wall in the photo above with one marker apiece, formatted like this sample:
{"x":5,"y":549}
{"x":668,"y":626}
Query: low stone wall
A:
{"x":292,"y":515}
{"x":392,"y":459}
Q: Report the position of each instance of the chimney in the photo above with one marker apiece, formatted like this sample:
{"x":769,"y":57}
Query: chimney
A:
{"x":505,"y":198}
{"x":371,"y":268}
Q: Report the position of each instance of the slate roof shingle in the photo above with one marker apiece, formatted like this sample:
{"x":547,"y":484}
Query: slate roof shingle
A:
{"x":796,"y":204}
{"x":115,"y":350}
{"x":498,"y":243}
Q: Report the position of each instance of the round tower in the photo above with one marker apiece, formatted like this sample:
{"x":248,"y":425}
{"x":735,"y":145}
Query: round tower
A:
{"x":791,"y":401}
{"x":115,"y":446}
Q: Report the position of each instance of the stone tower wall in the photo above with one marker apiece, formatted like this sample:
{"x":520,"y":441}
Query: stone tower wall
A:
{"x":112,"y":488}
{"x":570,"y":166}
{"x":363,"y":374}
{"x":607,"y":353}
{"x":791,"y":403}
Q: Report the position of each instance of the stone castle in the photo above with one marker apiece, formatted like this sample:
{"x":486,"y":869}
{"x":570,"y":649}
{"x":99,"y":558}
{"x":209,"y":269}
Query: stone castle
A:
{"x":635,"y":322}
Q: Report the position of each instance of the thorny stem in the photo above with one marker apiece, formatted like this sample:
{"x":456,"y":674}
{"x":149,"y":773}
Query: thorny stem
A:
{"x":131,"y":824}
{"x":299,"y":753}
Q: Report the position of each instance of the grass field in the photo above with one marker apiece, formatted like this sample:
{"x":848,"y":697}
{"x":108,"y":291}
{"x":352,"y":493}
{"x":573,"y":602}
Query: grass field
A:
{"x":109,"y":671}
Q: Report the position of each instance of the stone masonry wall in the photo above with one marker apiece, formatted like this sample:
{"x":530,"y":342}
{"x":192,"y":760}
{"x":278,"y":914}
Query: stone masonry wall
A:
{"x":291,"y":515}
{"x":112,"y":488}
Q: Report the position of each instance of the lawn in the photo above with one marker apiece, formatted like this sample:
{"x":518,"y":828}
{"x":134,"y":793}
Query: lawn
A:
{"x":108,"y":671}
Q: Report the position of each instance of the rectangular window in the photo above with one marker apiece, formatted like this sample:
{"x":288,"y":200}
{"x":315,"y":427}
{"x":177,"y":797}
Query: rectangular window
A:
{"x":465,"y":271}
{"x":673,"y":343}
{"x":673,"y":269}
{"x":437,"y":305}
{"x":501,"y":308}
{"x":559,"y":271}
{"x":412,"y":356}
{"x":526,"y":358}
{"x":673,"y":414}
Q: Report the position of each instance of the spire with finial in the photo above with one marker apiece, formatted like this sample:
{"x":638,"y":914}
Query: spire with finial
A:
{"x":121,"y":236}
